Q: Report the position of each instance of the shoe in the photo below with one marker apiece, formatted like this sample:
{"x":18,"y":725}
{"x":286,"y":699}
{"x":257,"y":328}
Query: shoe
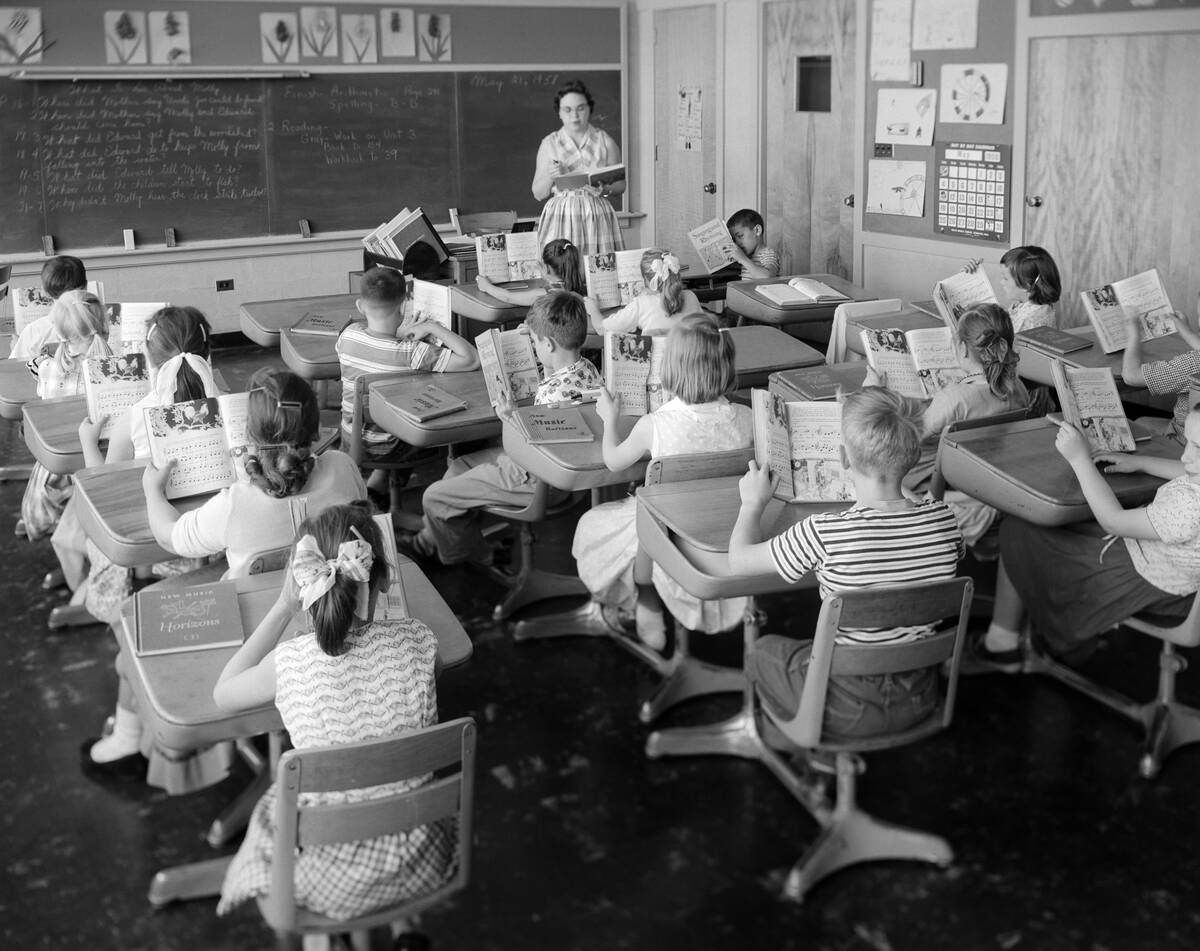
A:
{"x":651,"y":627}
{"x":977,"y":659}
{"x":413,"y":545}
{"x":131,"y":768}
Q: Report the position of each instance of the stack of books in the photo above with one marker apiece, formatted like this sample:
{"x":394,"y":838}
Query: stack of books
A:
{"x":392,"y":239}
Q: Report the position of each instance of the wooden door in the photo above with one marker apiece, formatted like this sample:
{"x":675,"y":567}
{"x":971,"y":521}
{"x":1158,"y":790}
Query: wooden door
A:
{"x":1113,"y":156}
{"x":685,"y":58}
{"x":809,"y":155}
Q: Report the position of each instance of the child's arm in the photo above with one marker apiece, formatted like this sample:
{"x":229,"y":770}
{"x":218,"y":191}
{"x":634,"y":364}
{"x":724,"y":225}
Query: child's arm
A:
{"x":248,"y":680}
{"x":595,"y":315}
{"x":89,"y":439}
{"x":465,"y":357}
{"x":161,"y":514}
{"x":1131,"y":359}
{"x":621,"y":455}
{"x":1189,"y":329}
{"x":748,"y":553}
{"x":1152,"y":465}
{"x":520,"y":298}
{"x":750,"y":268}
{"x":1111,"y":516}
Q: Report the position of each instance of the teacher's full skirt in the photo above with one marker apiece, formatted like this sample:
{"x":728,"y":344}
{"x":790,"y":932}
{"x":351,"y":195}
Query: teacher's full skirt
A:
{"x":583,"y":218}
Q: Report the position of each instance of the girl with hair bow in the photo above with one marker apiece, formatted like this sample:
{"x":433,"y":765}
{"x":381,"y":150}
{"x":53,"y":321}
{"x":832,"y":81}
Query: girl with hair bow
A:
{"x":656,"y":308}
{"x":353,"y":677}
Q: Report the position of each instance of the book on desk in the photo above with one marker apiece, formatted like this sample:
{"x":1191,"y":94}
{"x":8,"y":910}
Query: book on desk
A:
{"x":197,"y":617}
{"x":544,"y":425}
{"x":800,"y":290}
{"x":322,"y":325}
{"x":1052,"y":341}
{"x":430,"y":402}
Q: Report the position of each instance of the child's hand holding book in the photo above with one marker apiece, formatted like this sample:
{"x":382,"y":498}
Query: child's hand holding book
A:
{"x":608,"y":407}
{"x":154,"y":479}
{"x":757,"y":486}
{"x":873,"y":378}
{"x":89,"y":430}
{"x":1071,"y":444}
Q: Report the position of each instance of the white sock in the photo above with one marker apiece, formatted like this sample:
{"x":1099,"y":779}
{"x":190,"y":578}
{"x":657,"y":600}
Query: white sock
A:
{"x":1000,"y":639}
{"x":125,"y":738}
{"x":651,"y":627}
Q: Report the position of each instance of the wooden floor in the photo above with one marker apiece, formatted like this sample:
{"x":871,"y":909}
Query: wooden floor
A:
{"x":582,"y":843}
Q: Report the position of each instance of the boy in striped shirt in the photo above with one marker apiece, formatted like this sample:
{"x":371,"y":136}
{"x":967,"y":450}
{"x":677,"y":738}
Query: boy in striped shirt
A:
{"x":883,"y":539}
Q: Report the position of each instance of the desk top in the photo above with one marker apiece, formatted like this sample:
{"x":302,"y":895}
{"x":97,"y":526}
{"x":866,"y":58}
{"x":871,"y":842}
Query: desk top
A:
{"x":312,"y":356}
{"x":1035,"y":363}
{"x":17,"y":387}
{"x":477,"y":421}
{"x":263,"y":320}
{"x":174,"y":691}
{"x":474,"y":303}
{"x":761,"y":351}
{"x":52,"y":432}
{"x":573,"y":466}
{"x":819,"y":382}
{"x":741,"y":299}
{"x":911,"y":318}
{"x":1015,"y":468}
{"x":112,"y":511}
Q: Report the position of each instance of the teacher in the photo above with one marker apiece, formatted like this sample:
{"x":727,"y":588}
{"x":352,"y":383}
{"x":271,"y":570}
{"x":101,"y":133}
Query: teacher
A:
{"x":581,"y":215}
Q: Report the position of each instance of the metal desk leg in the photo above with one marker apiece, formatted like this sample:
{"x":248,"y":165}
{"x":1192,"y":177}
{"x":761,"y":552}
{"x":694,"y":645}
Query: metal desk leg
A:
{"x":685,"y":678}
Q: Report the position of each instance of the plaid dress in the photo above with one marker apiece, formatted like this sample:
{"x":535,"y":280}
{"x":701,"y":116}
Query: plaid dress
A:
{"x":580,"y":215}
{"x":383,"y":685}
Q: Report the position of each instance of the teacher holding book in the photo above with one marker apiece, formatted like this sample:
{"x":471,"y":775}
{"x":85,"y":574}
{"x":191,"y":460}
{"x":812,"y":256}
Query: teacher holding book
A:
{"x":580,"y":213}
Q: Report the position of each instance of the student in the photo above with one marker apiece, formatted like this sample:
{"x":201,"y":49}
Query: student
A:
{"x":885,"y":538}
{"x":1076,"y":582}
{"x":1029,"y":278}
{"x":749,"y":250}
{"x":285,"y":480}
{"x":78,"y":322}
{"x":698,"y":371}
{"x":983,"y":343}
{"x":1165,"y":376}
{"x":654,"y":311}
{"x":561,"y":267}
{"x":59,"y":275}
{"x":557,"y":323}
{"x":352,"y":677}
{"x":387,"y":343}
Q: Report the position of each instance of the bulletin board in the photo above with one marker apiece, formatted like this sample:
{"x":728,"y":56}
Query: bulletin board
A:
{"x":995,"y":44}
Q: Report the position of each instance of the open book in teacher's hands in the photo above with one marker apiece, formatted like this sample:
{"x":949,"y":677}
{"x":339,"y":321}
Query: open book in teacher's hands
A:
{"x":604,"y":177}
{"x":1090,"y":401}
{"x":205,"y":437}
{"x":800,"y":442}
{"x":1113,"y":307}
{"x":800,"y":290}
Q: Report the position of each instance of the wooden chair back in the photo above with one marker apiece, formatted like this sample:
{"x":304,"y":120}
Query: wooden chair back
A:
{"x":702,"y":465}
{"x":446,"y":750}
{"x":946,"y":605}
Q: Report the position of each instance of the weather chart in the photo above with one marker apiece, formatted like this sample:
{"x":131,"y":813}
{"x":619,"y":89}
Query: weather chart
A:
{"x":973,"y":189}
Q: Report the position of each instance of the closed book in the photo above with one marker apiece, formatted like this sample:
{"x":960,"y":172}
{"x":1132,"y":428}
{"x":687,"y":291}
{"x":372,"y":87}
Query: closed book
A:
{"x":199,"y":617}
{"x":325,"y":325}
{"x":820,"y":382}
{"x":1053,"y":341}
{"x":429,"y":402}
{"x":559,"y":424}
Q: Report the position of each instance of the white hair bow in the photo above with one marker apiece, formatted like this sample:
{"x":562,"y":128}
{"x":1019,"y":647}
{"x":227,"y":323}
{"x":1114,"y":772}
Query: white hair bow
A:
{"x":315,"y":574}
{"x":164,"y":376}
{"x":662,"y":268}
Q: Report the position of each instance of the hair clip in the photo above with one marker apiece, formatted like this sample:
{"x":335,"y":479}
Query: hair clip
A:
{"x":290,"y":404}
{"x":150,"y":331}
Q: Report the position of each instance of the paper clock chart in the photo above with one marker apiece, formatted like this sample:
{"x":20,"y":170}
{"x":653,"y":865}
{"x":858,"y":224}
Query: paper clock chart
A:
{"x":974,"y":92}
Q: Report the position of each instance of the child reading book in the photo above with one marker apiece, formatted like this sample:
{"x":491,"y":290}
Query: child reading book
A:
{"x":1029,"y":278}
{"x":561,"y":268}
{"x":353,"y":676}
{"x":749,"y":249}
{"x":1164,"y":376}
{"x":885,"y":538}
{"x":656,"y":310}
{"x":557,"y":324}
{"x":59,"y":274}
{"x":698,"y":371}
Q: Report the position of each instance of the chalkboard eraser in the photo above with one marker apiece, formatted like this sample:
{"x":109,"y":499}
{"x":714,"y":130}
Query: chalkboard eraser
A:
{"x":305,"y":228}
{"x":169,"y":237}
{"x":48,"y":244}
{"x":129,"y":242}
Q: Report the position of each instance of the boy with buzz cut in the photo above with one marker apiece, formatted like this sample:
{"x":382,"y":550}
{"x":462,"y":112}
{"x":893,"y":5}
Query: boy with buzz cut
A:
{"x":59,"y":275}
{"x":557,"y":324}
{"x":387,"y":343}
{"x":748,"y":249}
{"x":883,"y":539}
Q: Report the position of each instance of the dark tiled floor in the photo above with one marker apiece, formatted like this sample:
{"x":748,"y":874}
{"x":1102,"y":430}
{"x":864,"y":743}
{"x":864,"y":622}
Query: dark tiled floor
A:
{"x":584,"y":843}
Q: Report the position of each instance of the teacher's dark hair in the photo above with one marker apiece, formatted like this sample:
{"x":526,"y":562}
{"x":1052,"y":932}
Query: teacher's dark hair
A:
{"x":573,"y":86}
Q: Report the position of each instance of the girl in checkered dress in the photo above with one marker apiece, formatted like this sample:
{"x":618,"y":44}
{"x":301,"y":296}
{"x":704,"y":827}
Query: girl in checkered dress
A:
{"x":353,"y":677}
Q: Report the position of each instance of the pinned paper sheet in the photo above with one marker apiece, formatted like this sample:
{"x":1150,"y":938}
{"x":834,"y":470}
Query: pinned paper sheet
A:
{"x":689,"y":119}
{"x":891,"y":51}
{"x":896,"y":188}
{"x":945,"y":24}
{"x":906,"y":116}
{"x":974,"y":92}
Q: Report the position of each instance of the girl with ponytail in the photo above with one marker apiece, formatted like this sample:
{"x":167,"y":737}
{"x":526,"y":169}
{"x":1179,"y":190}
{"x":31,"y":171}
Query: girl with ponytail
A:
{"x":655,"y":310}
{"x":353,"y":676}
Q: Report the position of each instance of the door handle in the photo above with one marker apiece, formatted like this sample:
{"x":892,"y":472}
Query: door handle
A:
{"x":1033,"y":201}
{"x":848,"y":201}
{"x":710,"y":188}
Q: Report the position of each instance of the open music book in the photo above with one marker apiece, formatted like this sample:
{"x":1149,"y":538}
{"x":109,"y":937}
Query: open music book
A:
{"x":1090,"y":400}
{"x":633,"y":371}
{"x":615,"y":277}
{"x":508,"y":256}
{"x":1110,"y":308}
{"x":207,"y":438}
{"x":510,"y":369}
{"x":917,"y":362}
{"x":954,"y":294}
{"x":112,"y":385}
{"x":800,"y":442}
{"x":711,"y":241}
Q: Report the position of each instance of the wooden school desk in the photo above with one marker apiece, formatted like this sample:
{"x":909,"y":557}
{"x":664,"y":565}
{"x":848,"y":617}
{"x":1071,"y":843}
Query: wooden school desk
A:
{"x":684,"y":527}
{"x":761,"y":351}
{"x":174,"y":698}
{"x":471,"y":302}
{"x":477,"y":421}
{"x":1035,"y":364}
{"x":909,"y":319}
{"x":312,"y":356}
{"x":17,"y":387}
{"x":819,"y":382}
{"x":1015,"y":468}
{"x":264,"y":320}
{"x":741,"y":299}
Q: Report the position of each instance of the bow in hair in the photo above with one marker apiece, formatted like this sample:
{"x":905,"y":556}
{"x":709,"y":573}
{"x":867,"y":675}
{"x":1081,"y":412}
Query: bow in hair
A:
{"x":664,"y":267}
{"x":164,"y":377}
{"x":315,"y":574}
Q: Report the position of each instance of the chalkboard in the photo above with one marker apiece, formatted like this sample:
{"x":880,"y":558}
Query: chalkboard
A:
{"x":218,"y":159}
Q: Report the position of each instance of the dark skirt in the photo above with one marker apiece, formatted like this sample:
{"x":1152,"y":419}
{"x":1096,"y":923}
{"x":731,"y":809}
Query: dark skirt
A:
{"x":1076,"y":582}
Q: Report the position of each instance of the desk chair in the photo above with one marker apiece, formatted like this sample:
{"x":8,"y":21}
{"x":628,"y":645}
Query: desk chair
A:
{"x":837,"y":352}
{"x":402,"y":466}
{"x":482,"y":222}
{"x":848,"y":835}
{"x":447,"y":750}
{"x":684,"y":676}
